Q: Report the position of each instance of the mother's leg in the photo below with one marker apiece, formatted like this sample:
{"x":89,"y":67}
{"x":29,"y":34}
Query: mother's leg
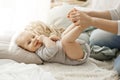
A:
{"x":103,"y":38}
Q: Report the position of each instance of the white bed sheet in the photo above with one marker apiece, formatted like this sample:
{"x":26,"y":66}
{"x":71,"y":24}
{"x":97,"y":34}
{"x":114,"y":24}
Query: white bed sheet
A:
{"x":11,"y":70}
{"x":92,"y":70}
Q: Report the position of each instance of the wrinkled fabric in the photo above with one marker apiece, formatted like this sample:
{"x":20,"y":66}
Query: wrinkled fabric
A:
{"x":103,"y":53}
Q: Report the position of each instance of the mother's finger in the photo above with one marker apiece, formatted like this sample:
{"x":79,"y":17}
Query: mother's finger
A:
{"x":72,"y":15}
{"x":73,"y":20}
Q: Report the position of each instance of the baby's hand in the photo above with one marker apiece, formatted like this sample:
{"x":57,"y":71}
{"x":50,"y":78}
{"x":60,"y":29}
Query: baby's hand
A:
{"x":54,"y":37}
{"x":40,"y":38}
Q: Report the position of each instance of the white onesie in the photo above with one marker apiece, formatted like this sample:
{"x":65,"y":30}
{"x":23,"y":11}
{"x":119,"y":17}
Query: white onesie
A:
{"x":57,"y":54}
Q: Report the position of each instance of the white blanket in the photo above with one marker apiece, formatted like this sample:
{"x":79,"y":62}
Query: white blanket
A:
{"x":11,"y":70}
{"x":92,"y":70}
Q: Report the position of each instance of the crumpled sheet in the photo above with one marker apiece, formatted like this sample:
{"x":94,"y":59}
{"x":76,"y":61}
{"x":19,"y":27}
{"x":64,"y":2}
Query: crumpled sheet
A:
{"x":104,"y":53}
{"x":11,"y":70}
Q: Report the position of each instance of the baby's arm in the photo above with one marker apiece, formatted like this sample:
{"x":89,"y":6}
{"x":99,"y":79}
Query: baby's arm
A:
{"x":69,"y":28}
{"x":48,"y":50}
{"x":47,"y":41}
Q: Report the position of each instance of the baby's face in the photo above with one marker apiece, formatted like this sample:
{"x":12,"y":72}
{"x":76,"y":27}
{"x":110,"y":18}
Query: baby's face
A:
{"x":29,"y":41}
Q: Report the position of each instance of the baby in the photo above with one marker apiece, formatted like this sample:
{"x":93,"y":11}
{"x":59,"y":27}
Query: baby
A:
{"x":66,"y":49}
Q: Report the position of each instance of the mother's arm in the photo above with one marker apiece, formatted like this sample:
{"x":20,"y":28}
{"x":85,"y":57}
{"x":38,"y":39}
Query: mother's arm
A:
{"x":100,"y":14}
{"x":98,"y":19}
{"x":111,"y":26}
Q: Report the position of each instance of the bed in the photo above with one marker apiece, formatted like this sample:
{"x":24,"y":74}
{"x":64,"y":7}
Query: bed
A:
{"x":19,"y":65}
{"x":92,"y":70}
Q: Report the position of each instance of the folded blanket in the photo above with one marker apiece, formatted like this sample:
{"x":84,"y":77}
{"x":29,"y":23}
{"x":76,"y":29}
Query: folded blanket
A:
{"x":103,"y":53}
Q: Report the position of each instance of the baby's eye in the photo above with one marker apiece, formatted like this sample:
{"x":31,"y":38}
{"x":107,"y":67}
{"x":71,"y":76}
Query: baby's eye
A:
{"x":29,"y":42}
{"x":33,"y":36}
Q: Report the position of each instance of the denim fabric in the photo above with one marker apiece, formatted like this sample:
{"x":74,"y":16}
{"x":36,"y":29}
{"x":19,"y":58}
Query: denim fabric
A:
{"x":117,"y":64}
{"x":103,"y":38}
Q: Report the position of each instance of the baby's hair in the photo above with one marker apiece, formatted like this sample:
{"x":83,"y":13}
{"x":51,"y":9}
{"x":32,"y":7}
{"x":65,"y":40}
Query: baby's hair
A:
{"x":39,"y":28}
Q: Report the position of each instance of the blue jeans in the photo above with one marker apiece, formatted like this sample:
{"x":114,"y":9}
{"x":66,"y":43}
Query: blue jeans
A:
{"x":103,"y":38}
{"x":117,"y":64}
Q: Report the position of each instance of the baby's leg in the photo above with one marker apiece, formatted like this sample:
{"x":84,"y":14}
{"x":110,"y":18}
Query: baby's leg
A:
{"x":71,"y":47}
{"x":68,"y":29}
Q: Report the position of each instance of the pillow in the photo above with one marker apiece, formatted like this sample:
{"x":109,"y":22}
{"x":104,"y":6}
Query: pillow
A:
{"x":58,"y":15}
{"x":5,"y":36}
{"x":16,"y":53}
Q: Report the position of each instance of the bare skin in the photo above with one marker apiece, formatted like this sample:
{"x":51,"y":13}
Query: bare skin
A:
{"x":72,"y":48}
{"x":98,"y":19}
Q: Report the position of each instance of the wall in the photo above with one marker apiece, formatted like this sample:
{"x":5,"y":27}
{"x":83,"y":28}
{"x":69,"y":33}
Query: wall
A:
{"x":104,"y":4}
{"x":15,"y":13}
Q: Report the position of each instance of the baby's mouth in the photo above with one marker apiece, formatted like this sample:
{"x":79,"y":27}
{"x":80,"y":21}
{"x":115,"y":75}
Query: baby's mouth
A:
{"x":38,"y":43}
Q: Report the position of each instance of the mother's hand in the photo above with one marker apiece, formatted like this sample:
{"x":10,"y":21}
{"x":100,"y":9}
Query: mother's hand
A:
{"x":80,"y":18}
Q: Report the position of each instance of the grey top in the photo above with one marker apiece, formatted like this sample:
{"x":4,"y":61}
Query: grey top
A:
{"x":57,"y":54}
{"x":115,"y":14}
